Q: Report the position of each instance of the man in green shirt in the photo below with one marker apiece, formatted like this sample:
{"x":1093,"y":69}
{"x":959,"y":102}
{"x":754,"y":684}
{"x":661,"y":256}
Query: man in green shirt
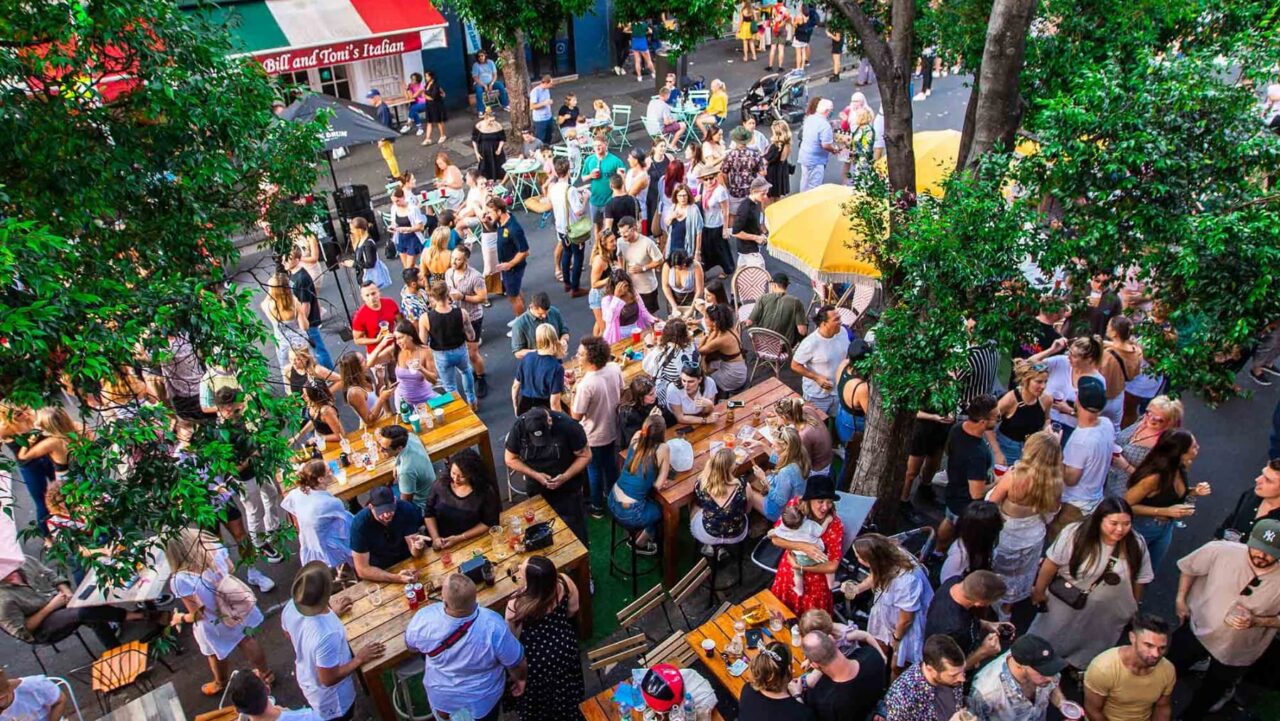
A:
{"x":414,"y":472}
{"x":779,"y":312}
{"x":598,"y":168}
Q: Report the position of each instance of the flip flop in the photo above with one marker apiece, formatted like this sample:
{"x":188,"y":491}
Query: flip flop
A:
{"x":213,"y":688}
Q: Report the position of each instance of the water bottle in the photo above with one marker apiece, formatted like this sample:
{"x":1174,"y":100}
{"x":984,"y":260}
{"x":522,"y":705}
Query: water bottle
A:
{"x":689,"y":710}
{"x":405,"y":411}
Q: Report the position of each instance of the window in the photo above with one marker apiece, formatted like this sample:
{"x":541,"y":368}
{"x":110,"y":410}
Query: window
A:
{"x":293,"y":84}
{"x":334,"y":81}
{"x":387,"y":75}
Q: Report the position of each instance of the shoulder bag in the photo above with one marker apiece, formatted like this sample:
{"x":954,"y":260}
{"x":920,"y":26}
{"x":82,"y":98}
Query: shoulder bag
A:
{"x":1077,"y":597}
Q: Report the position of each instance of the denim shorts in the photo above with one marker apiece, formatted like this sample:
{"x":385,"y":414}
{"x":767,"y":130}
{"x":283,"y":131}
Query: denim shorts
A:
{"x":594,"y":299}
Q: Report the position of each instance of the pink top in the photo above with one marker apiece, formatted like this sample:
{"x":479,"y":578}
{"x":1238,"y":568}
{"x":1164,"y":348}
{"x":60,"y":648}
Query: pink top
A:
{"x":611,"y":308}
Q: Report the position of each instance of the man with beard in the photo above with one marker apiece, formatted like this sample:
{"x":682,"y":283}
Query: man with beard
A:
{"x":1134,"y":682}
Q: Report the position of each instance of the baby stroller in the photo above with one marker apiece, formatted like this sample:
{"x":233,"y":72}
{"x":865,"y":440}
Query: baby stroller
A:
{"x":776,"y":97}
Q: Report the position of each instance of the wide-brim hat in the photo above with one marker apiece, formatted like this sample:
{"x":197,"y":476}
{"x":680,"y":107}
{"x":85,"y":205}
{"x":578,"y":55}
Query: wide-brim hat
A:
{"x":312,"y":588}
{"x":707,"y":170}
{"x":819,"y":488}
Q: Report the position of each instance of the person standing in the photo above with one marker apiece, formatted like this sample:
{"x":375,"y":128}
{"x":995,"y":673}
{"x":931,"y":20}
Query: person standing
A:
{"x":969,"y":463}
{"x":595,"y":402}
{"x":448,"y":332}
{"x":960,"y":610}
{"x":817,"y":143}
{"x":484,"y":79}
{"x":383,"y":115}
{"x":640,"y":40}
{"x":540,"y":112}
{"x":323,"y":521}
{"x":818,"y":357}
{"x":489,"y":142}
{"x":513,"y":251}
{"x":1020,"y":684}
{"x":741,"y":166}
{"x":540,"y":614}
{"x":1086,"y":456}
{"x":372,"y":322}
{"x":550,"y":449}
{"x":840,"y":687}
{"x":259,"y":497}
{"x":324,"y":664}
{"x":749,"y":226}
{"x":902,"y":597}
{"x":1258,"y":503}
{"x":641,"y":257}
{"x":777,"y":158}
{"x":569,"y":205}
{"x":600,"y":168}
{"x":1133,"y":682}
{"x":714,"y":202}
{"x":524,"y":339}
{"x":932,"y":690}
{"x":303,"y":287}
{"x":466,"y":286}
{"x":1229,"y":603}
{"x":469,"y":651}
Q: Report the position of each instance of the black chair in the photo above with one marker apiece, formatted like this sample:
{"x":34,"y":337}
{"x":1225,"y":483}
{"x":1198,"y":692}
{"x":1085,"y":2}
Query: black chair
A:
{"x":737,"y":550}
{"x":52,"y":642}
{"x":637,"y":569}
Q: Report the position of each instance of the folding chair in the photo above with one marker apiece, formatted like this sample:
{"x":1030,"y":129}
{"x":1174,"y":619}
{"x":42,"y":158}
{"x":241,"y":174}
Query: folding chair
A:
{"x":687,"y":586}
{"x":118,"y":669}
{"x":621,"y":126}
{"x":700,"y":98}
{"x":630,"y":615}
{"x":70,"y":694}
{"x":770,"y":348}
{"x":674,"y":650}
{"x":600,"y":659}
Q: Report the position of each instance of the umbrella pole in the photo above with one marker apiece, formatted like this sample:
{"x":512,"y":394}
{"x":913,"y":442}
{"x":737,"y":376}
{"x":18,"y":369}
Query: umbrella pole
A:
{"x":337,"y":274}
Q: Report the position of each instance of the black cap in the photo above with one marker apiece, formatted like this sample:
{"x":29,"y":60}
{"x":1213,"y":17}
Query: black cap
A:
{"x":782,"y":279}
{"x":1031,"y":650}
{"x":819,"y":488}
{"x":1091,"y":394}
{"x":382,"y":500}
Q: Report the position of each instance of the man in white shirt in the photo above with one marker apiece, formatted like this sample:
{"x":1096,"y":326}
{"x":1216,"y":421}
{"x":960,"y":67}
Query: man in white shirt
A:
{"x":568,"y":204}
{"x":324,"y":663}
{"x":1086,"y":457}
{"x":252,"y":698}
{"x":818,"y":357}
{"x":661,"y":118}
{"x":642,"y":258}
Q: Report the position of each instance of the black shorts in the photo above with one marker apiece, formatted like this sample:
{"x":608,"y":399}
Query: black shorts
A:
{"x":189,"y":408}
{"x":929,"y":438}
{"x":477,"y":324}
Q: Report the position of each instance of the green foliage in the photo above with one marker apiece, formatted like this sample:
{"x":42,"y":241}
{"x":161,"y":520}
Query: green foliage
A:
{"x":696,"y":21}
{"x":501,"y":21}
{"x":117,"y":231}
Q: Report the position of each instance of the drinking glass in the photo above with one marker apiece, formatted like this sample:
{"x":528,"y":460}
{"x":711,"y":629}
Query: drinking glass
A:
{"x":375,"y":594}
{"x":1189,"y":502}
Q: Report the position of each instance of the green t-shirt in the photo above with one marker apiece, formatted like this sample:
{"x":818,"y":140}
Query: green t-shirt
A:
{"x":609,"y":166}
{"x":780,"y":313}
{"x":414,"y":472}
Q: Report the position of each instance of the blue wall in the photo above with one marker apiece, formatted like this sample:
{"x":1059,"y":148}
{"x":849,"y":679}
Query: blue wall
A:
{"x":591,"y":37}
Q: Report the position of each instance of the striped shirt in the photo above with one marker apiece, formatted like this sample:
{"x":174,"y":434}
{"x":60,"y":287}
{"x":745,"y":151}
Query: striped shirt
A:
{"x":980,"y":376}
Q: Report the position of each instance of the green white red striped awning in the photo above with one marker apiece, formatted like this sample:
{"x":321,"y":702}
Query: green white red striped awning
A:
{"x":291,"y":35}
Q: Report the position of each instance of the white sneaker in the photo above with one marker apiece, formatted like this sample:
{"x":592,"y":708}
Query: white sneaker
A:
{"x":917,"y":97}
{"x":512,"y":322}
{"x":405,"y":128}
{"x":419,"y":132}
{"x":259,"y":579}
{"x":508,"y":334}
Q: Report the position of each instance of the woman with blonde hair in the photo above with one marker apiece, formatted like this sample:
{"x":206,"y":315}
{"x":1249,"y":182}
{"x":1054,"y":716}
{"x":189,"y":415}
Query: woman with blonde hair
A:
{"x":302,"y":368}
{"x":1023,"y":410}
{"x":357,"y":383}
{"x":1065,"y":371}
{"x":777,"y":158}
{"x":600,"y":111}
{"x":539,"y":381}
{"x":58,"y":429}
{"x":449,"y":181}
{"x":435,"y":261}
{"x":282,"y":315}
{"x":813,"y":433}
{"x":1136,"y":441}
{"x":220,"y":607}
{"x":770,"y":493}
{"x":1029,"y":496}
{"x":720,"y":500}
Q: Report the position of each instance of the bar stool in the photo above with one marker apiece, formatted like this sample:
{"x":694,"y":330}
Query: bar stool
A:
{"x":401,"y":690}
{"x":736,"y":549}
{"x":637,"y":569}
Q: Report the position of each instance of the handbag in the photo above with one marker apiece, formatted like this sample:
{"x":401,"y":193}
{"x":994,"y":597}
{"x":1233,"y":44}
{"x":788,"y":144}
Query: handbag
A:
{"x":1074,"y":596}
{"x":474,"y":568}
{"x":234,"y":600}
{"x":538,"y":536}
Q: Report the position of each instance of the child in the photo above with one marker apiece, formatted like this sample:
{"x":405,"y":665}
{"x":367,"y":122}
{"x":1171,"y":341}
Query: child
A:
{"x":601,"y":109}
{"x":796,"y":528}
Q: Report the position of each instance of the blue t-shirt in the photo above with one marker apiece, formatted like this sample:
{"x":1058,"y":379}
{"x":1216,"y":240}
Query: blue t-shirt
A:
{"x":384,"y":116}
{"x":540,"y":376}
{"x":484,"y":72}
{"x":540,"y":94}
{"x":511,"y":240}
{"x":817,"y":132}
{"x":385,"y":544}
{"x":454,"y":238}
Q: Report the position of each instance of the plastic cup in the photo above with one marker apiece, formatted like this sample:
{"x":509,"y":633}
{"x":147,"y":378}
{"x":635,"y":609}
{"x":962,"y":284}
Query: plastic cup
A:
{"x":1071,"y":710}
{"x":708,"y":647}
{"x":635,"y":336}
{"x":415,"y":421}
{"x":529,"y":517}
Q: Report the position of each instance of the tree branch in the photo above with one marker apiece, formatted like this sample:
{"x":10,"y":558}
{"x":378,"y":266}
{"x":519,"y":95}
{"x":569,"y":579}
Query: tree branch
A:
{"x":878,"y":52}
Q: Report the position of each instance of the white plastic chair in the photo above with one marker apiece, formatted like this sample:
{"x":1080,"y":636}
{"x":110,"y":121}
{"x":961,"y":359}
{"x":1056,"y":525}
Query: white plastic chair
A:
{"x":66,"y":685}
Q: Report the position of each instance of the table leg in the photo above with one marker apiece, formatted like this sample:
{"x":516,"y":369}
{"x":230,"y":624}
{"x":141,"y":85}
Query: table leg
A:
{"x":582,"y":578}
{"x":486,"y":452}
{"x":670,"y":537}
{"x":378,"y":693}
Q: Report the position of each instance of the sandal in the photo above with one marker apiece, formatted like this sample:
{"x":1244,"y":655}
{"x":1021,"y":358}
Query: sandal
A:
{"x":213,"y":688}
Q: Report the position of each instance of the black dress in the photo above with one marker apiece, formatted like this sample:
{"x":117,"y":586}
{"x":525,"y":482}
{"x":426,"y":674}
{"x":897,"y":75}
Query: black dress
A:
{"x":435,"y":103}
{"x":555,"y":687}
{"x":491,"y":161}
{"x":777,"y":171}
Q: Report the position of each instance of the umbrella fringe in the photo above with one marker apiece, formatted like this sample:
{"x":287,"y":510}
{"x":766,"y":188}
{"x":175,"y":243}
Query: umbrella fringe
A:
{"x":824,"y":276}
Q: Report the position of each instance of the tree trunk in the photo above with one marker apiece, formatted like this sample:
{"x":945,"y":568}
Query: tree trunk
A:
{"x":999,"y":110}
{"x":966,"y":130}
{"x":515,"y":73}
{"x":882,"y":462}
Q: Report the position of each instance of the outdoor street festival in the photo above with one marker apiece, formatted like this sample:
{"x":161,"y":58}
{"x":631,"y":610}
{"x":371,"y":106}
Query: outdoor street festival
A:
{"x":615,"y":360}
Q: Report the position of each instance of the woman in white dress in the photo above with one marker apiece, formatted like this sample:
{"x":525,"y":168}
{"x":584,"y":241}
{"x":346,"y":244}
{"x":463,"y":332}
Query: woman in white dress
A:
{"x":282,"y":314}
{"x":1029,"y":497}
{"x":323,"y":521}
{"x":202,"y":577}
{"x":902,"y":596}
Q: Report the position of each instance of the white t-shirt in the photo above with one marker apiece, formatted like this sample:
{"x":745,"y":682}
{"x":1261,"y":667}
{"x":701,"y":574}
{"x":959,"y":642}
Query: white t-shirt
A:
{"x":713,"y":208}
{"x":300,"y":714}
{"x":32,"y":699}
{"x":1089,"y":449}
{"x":567,"y":204}
{"x":1059,"y":387}
{"x":641,"y":252}
{"x":324,"y":526}
{"x":822,"y":356}
{"x":319,"y":642}
{"x":677,"y":397}
{"x":657,"y":113}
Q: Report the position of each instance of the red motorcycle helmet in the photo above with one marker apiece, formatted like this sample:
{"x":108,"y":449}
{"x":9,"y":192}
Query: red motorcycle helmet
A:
{"x":662,"y":687}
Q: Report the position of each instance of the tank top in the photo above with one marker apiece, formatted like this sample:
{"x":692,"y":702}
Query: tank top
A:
{"x":296,"y":381}
{"x":689,"y":280}
{"x":446,"y":332}
{"x":1165,"y":497}
{"x":713,"y":356}
{"x":677,"y":234}
{"x":845,"y":376}
{"x":1026,"y":419}
{"x":413,"y":387}
{"x":321,"y":427}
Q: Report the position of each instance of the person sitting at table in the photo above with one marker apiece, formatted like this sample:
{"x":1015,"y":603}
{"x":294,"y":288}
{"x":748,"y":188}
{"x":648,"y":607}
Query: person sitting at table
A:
{"x":639,"y":400}
{"x":466,"y":506}
{"x":540,"y":376}
{"x":414,"y":471}
{"x":369,"y":404}
{"x":31,"y":697}
{"x":622,"y":309}
{"x":322,"y":520}
{"x":818,"y":504}
{"x":682,"y":280}
{"x":814,"y":435}
{"x":664,"y":360}
{"x":721,"y":350}
{"x":569,"y":113}
{"x":646,"y":469}
{"x":839,"y":687}
{"x":550,"y":449}
{"x":252,"y":699}
{"x":716,"y":110}
{"x":663,"y":119}
{"x":524,"y":337}
{"x":769,"y":493}
{"x":693,"y":401}
{"x":320,"y":413}
{"x":720,"y":503}
{"x":767,"y":696}
{"x":600,"y":112}
{"x":540,"y":614}
{"x":200,"y":564}
{"x":384,"y":533}
{"x":469,"y":651}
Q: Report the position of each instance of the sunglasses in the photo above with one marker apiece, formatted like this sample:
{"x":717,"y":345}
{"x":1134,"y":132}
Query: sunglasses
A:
{"x":1248,"y":589}
{"x":1039,"y":367}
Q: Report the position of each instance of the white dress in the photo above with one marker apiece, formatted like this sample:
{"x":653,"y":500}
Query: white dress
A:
{"x":907,"y":592}
{"x":324,"y":525}
{"x":213,"y":637}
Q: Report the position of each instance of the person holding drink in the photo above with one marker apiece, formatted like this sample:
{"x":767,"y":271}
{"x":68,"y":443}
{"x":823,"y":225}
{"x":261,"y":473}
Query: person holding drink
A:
{"x":598,"y":168}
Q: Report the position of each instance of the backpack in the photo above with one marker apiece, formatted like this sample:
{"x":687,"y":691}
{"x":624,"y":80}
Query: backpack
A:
{"x":234,"y":600}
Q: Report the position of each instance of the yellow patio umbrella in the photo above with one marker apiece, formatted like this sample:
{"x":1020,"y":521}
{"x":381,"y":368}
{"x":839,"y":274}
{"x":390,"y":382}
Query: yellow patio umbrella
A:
{"x":810,"y":231}
{"x":936,"y":152}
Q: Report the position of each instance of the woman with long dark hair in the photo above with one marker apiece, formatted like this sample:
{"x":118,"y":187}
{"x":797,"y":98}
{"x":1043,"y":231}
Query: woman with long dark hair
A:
{"x":639,"y":401}
{"x":1160,"y":491}
{"x":320,"y":414}
{"x":414,"y":366}
{"x":683,"y":222}
{"x":693,"y":400}
{"x":540,"y":615}
{"x":674,"y":349}
{"x":357,"y":382}
{"x":646,"y":469}
{"x":1102,"y":557}
{"x":721,"y":350}
{"x":466,"y":505}
{"x":853,"y":393}
{"x":978,"y":529}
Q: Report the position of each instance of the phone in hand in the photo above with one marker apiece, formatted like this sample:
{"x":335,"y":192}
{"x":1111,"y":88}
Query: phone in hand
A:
{"x":735,"y":404}
{"x":684,"y":430}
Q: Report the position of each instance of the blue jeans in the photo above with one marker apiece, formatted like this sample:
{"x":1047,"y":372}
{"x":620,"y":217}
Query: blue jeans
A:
{"x":602,"y":472}
{"x":571,"y":263}
{"x":320,"y":352}
{"x":499,"y":86}
{"x":640,"y":516}
{"x":1158,"y":533}
{"x":542,"y":130}
{"x":416,"y":110}
{"x":36,"y":475}
{"x":1011,"y":449}
{"x":448,"y":361}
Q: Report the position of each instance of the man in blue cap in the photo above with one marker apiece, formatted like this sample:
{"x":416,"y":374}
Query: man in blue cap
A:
{"x":383,"y":116}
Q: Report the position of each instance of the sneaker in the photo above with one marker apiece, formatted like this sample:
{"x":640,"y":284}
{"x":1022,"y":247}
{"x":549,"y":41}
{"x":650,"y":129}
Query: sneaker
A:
{"x":648,"y":548}
{"x":405,"y":128}
{"x":917,"y":97}
{"x":595,"y":511}
{"x":259,"y":579}
{"x":1260,"y":379}
{"x":639,"y":79}
{"x":1270,"y":369}
{"x":508,"y":334}
{"x":269,"y":552}
{"x":482,"y":387}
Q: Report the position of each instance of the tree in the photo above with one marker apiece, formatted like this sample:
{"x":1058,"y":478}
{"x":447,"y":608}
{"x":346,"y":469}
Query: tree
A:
{"x":136,"y":152}
{"x":511,"y":26}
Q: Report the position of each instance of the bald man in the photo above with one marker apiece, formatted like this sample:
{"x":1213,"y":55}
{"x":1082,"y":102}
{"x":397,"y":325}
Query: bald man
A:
{"x":470,"y":652}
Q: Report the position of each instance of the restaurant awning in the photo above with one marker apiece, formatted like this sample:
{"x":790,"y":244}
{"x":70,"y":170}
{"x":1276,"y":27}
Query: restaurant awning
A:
{"x":291,"y":35}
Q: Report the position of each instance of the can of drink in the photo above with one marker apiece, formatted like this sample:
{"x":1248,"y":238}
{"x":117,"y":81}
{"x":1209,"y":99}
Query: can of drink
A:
{"x":412,"y":598}
{"x":420,"y":592}
{"x":343,"y":459}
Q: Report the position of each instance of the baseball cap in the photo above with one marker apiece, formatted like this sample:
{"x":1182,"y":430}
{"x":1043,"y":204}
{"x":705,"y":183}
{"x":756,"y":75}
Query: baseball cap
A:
{"x":382,"y":500}
{"x":373,"y":93}
{"x":781,"y":279}
{"x":662,"y":687}
{"x":1265,"y":537}
{"x":536,"y":426}
{"x":760,"y":184}
{"x":1091,"y":394}
{"x":1031,"y":650}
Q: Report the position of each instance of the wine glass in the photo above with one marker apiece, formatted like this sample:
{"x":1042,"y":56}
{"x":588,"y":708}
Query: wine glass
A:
{"x":1189,"y":502}
{"x":375,"y":594}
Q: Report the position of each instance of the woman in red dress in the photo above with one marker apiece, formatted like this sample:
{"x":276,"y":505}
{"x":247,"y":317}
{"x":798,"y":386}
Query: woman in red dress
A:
{"x":818,"y":505}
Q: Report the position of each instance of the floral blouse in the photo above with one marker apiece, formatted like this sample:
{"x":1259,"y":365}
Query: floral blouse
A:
{"x":725,"y":521}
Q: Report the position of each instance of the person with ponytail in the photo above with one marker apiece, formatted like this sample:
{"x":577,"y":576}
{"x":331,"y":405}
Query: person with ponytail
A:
{"x":322,"y":520}
{"x":1083,"y":356}
{"x":646,"y":469}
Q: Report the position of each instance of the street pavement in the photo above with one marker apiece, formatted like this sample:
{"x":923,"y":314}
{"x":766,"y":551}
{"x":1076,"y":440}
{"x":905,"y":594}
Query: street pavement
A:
{"x":1232,"y":437}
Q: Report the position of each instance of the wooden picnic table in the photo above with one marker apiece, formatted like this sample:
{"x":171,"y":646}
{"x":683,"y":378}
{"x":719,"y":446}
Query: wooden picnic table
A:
{"x":680,"y":494}
{"x":366,"y":622}
{"x":602,"y":708}
{"x":720,"y":630}
{"x":462,"y":428}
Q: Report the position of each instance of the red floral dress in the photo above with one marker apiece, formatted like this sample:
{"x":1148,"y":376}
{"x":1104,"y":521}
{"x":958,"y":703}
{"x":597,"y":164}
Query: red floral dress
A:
{"x":816,"y":592}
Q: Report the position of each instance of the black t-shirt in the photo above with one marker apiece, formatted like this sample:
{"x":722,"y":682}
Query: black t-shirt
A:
{"x":950,"y":618}
{"x":1041,"y":338}
{"x":573,"y":114}
{"x":385,"y":543}
{"x":853,"y":699}
{"x":747,"y":220}
{"x":621,"y":206}
{"x":553,"y":451}
{"x":304,"y":289}
{"x":968,"y":459}
{"x":755,"y":706}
